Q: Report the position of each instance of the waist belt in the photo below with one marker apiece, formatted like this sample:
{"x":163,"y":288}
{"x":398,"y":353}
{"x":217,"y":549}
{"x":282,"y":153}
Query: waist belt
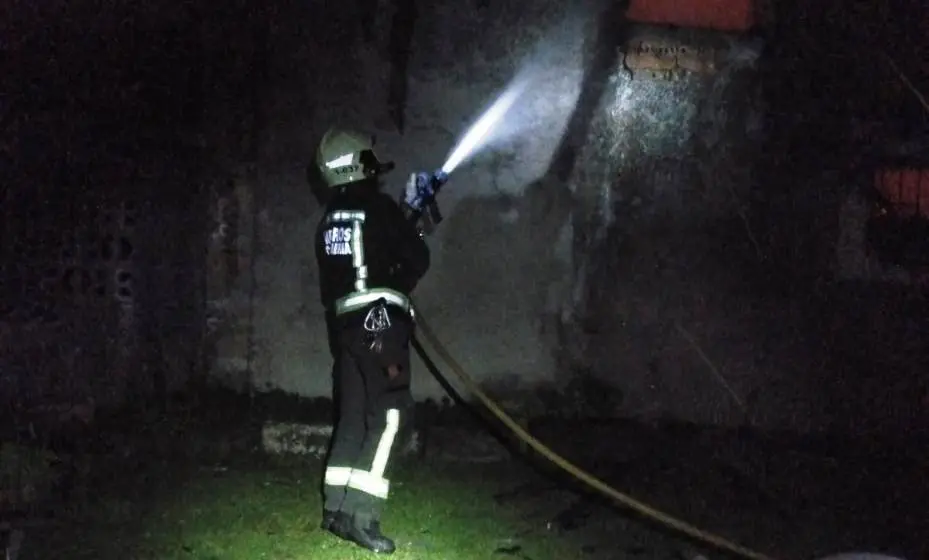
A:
{"x":359,"y":300}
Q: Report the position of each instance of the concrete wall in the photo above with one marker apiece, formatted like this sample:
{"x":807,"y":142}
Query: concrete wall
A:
{"x":501,"y":258}
{"x":635,"y":237}
{"x":102,"y":218}
{"x":639,"y":234}
{"x":526,"y":219}
{"x":619,"y":239}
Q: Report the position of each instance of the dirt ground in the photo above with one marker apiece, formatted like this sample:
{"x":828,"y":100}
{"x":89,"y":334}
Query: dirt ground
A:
{"x":779,"y":495}
{"x":786,"y":497}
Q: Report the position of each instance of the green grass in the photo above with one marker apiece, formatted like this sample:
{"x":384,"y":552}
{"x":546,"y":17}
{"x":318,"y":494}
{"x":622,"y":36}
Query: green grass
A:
{"x":272,"y":511}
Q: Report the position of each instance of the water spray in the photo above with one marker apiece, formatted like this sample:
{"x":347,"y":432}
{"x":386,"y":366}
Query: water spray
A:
{"x":477,"y":136}
{"x":422,"y":188}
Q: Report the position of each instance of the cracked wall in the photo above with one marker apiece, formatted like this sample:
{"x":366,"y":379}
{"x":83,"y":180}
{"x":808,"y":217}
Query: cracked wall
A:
{"x":639,"y":229}
{"x":622,"y":240}
{"x":500,"y":259}
{"x":618,"y":240}
{"x":526,"y":221}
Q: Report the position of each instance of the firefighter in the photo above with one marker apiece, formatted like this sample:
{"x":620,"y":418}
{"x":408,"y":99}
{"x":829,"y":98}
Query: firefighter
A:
{"x":370,"y":258}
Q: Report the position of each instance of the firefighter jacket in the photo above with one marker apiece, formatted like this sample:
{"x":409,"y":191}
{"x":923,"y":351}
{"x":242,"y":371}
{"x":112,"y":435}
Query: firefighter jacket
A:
{"x":367,"y":252}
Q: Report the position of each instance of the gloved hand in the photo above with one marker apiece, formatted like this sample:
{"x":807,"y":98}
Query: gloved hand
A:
{"x":418,"y":191}
{"x":421,"y":188}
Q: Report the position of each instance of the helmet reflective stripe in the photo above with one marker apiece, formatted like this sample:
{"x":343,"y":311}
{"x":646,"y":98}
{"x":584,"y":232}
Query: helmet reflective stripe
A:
{"x":341,"y":161}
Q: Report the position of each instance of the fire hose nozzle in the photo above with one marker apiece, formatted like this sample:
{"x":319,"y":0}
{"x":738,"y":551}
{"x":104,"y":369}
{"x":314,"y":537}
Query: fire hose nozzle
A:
{"x":440,"y":177}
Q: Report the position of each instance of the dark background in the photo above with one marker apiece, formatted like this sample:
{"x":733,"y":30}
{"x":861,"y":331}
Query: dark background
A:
{"x":113,"y":112}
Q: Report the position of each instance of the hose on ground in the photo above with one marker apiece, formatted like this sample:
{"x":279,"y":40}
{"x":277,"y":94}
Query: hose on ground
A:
{"x":662,"y":518}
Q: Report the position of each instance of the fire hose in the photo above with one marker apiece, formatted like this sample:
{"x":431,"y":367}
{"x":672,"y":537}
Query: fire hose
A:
{"x":662,"y":518}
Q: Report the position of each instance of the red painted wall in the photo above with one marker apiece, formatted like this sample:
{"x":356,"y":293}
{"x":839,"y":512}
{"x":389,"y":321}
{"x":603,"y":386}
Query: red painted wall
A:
{"x":907,"y":189}
{"x":724,"y":15}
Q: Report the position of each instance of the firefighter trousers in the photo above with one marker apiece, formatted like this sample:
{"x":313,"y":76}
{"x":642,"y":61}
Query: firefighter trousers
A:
{"x":372,"y":410}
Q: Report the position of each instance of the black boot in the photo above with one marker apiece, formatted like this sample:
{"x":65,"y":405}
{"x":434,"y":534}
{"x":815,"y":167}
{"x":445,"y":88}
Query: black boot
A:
{"x":328,"y":518}
{"x":366,"y":533}
{"x":335,"y":521}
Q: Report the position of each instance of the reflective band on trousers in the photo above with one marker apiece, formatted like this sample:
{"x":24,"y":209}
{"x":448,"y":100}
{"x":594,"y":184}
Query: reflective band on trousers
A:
{"x":338,"y":476}
{"x":358,"y":300}
{"x":370,"y":482}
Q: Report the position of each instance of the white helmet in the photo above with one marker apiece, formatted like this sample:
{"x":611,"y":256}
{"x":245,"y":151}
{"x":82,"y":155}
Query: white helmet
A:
{"x":346,"y":156}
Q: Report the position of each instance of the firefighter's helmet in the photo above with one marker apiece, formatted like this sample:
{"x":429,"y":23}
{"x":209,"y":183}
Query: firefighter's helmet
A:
{"x":346,"y":156}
